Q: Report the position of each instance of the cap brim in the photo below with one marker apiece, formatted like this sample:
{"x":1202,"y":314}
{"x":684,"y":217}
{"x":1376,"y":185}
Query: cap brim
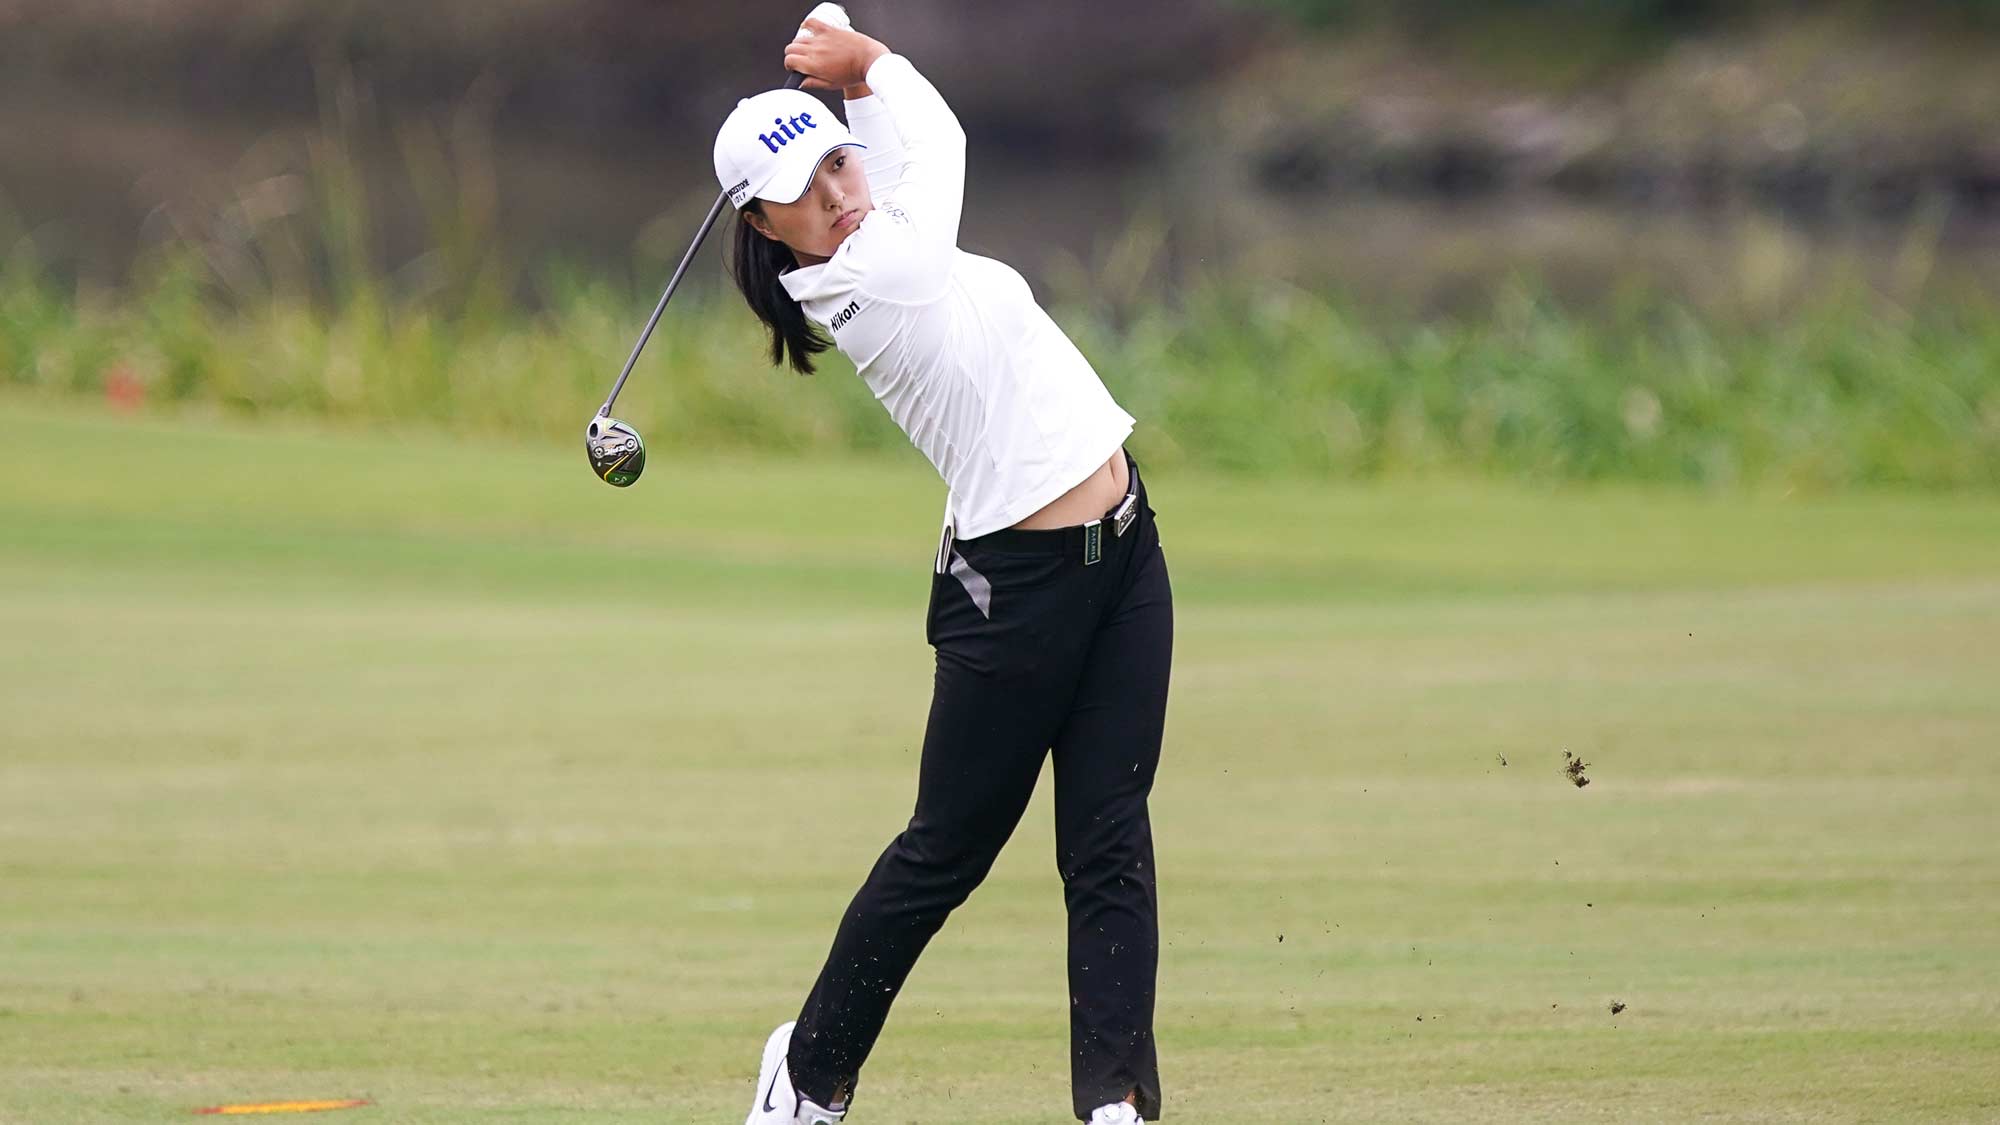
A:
{"x":791,"y":181}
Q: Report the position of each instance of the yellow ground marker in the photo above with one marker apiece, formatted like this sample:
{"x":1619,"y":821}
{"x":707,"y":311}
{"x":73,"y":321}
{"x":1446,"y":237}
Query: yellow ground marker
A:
{"x":286,"y":1107}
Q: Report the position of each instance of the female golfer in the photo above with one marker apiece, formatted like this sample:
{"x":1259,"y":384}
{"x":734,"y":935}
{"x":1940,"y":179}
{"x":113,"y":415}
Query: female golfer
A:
{"x":1050,"y":610}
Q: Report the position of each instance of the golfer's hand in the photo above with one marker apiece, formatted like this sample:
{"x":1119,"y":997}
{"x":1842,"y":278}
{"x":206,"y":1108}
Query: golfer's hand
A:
{"x":833,"y":58}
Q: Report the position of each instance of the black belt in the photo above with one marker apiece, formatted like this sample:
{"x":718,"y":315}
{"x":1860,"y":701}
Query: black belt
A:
{"x":1085,"y":539}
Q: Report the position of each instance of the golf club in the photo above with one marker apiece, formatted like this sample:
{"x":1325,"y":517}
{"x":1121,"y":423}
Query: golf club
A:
{"x":617,"y":452}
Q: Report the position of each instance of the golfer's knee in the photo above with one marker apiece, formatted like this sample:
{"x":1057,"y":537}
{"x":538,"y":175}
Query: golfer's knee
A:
{"x":1104,"y":853}
{"x":947,"y":864}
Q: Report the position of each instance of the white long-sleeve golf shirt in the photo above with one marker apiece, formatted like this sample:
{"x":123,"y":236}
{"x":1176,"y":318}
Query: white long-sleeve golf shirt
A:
{"x":954,"y":344}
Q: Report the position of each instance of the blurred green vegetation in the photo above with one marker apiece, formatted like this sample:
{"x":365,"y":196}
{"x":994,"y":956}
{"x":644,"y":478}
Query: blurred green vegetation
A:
{"x":280,"y":304}
{"x":1232,"y":376}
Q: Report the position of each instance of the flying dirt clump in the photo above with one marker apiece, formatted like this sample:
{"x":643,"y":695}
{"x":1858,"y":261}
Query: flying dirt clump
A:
{"x":1573,"y":769}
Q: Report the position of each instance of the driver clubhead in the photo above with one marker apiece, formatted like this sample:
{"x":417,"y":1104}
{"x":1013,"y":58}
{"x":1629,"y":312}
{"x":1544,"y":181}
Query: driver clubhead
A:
{"x":617,"y":454}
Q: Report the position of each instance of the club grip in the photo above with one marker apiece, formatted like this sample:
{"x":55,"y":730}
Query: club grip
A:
{"x":832,"y":14}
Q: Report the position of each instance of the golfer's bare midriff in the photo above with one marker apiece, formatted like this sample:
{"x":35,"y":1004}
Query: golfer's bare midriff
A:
{"x":1099,"y":493}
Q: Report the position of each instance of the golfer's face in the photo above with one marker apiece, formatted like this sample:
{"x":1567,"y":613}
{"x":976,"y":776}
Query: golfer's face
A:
{"x":830,"y":210}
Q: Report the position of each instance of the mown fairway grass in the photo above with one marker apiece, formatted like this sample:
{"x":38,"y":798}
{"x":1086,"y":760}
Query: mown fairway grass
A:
{"x":441,"y":774}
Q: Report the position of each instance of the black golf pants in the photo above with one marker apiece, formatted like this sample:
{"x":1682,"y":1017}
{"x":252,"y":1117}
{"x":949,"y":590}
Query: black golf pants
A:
{"x":1038,"y":653}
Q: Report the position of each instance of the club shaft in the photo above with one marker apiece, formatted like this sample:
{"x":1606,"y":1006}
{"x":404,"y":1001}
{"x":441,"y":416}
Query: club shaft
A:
{"x":700,"y":236}
{"x":792,"y":82}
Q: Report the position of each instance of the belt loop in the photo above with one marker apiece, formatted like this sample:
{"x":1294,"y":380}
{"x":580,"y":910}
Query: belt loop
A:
{"x":943,"y":559}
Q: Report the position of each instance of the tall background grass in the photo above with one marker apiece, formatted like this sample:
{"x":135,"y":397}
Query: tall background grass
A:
{"x":277,"y":301}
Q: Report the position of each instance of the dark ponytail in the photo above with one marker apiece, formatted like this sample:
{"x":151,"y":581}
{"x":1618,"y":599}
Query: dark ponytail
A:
{"x":757,"y":263}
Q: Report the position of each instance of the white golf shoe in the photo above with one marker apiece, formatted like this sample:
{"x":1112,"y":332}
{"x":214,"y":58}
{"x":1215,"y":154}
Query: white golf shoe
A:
{"x":1117,"y":1113}
{"x":775,"y":1101}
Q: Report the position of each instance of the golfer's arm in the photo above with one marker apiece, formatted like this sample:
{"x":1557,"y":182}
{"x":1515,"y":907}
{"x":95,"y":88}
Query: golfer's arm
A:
{"x":872,"y":124}
{"x":932,"y":187}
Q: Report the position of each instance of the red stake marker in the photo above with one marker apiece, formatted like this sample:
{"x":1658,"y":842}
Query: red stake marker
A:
{"x":287,"y":1107}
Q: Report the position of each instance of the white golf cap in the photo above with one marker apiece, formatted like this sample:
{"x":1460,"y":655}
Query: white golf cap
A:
{"x":773,"y":143}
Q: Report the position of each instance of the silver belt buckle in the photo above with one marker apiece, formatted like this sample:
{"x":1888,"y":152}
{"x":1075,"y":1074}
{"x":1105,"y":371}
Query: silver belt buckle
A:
{"x":1120,"y":519}
{"x":1123,"y":516}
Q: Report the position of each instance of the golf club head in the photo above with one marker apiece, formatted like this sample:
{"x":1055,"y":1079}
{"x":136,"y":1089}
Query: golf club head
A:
{"x":617,"y":454}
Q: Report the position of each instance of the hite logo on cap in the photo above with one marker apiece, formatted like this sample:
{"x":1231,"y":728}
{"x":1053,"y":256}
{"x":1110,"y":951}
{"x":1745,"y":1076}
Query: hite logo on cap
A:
{"x":771,"y":145}
{"x":787,"y":131}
